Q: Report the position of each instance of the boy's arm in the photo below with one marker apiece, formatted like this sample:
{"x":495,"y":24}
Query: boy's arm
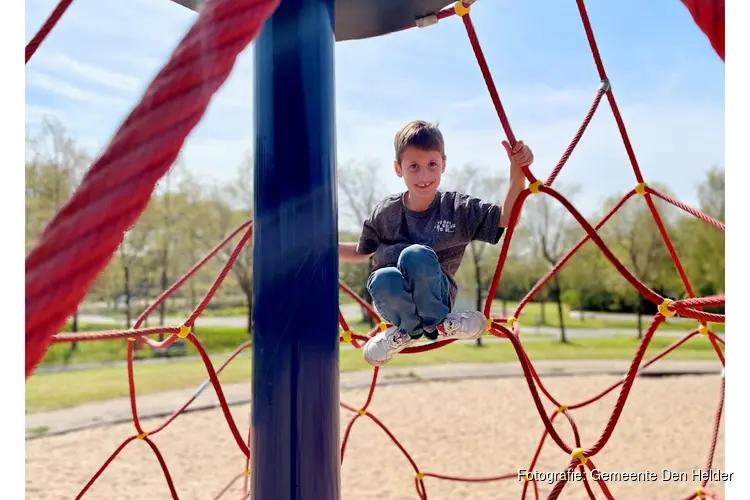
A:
{"x":365,"y":247}
{"x":520,"y":157}
{"x":348,"y":253}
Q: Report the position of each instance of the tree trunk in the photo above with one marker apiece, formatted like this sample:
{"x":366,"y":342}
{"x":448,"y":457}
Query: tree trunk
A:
{"x":145,"y":305}
{"x":366,"y":318}
{"x":639,"y":312}
{"x":193,"y":296}
{"x":478,"y":283}
{"x":558,"y":298}
{"x":126,"y":291}
{"x":128,"y":309}
{"x":163,"y":305}
{"x":505,"y":307}
{"x":73,"y":345}
{"x":543,"y":317}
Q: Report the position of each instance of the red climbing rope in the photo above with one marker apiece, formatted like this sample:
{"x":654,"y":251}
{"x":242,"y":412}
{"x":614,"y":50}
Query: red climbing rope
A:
{"x":709,"y":16}
{"x":119,"y":184}
{"x":46,"y":28}
{"x":80,"y":240}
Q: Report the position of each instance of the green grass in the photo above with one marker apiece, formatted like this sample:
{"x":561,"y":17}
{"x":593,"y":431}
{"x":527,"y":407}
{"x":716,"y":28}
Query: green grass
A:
{"x":50,"y":391}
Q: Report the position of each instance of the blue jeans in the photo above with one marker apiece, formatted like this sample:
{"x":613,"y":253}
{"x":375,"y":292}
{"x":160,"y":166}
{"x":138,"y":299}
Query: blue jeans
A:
{"x":413,"y":295}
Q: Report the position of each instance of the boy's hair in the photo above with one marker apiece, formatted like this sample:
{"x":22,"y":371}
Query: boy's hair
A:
{"x":420,"y":134}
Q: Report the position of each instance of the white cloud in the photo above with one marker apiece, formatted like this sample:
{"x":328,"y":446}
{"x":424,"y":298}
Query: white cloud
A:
{"x":59,"y":87}
{"x":61,"y":63}
{"x":215,"y":159}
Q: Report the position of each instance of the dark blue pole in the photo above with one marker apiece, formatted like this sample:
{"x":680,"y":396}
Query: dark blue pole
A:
{"x":295,"y":400}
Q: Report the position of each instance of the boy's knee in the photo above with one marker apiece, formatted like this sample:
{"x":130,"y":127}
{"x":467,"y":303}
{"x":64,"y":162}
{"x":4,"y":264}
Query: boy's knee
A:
{"x":385,"y":282}
{"x":419,"y":260}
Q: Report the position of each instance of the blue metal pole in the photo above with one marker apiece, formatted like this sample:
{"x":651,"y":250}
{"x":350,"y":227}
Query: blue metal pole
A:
{"x":295,"y":400}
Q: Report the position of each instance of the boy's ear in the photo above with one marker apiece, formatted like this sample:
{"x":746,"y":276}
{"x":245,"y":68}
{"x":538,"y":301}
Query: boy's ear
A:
{"x":397,"y":168}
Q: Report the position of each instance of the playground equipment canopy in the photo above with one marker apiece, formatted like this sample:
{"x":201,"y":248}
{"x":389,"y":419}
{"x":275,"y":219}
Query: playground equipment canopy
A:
{"x":357,"y":19}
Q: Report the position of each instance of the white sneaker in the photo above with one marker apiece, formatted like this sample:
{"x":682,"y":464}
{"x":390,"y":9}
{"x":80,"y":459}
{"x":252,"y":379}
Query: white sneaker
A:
{"x":383,"y":346}
{"x":463,"y":325}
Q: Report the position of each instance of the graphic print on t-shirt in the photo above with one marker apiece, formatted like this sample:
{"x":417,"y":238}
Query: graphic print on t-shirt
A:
{"x":445,"y":226}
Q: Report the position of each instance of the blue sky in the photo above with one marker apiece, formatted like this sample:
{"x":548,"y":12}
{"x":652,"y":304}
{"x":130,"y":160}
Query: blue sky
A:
{"x":667,"y":80}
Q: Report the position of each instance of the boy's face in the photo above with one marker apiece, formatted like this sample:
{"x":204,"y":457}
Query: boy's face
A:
{"x":421,"y":171}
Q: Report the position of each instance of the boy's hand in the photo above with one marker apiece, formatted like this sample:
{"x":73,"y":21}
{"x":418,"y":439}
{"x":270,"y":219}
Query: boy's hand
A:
{"x":520,"y":156}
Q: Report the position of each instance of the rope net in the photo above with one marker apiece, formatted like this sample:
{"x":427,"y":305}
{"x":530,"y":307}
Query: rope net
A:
{"x":82,"y":237}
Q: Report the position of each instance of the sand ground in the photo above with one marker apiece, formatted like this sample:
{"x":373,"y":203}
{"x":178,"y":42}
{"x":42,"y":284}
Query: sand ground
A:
{"x":464,"y":428}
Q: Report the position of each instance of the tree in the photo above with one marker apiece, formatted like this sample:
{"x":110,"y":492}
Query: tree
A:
{"x":482,"y":183}
{"x":137,"y":256}
{"x":549,"y":224}
{"x":54,"y":167}
{"x":198,"y":229}
{"x":700,"y":245}
{"x":241,"y":196}
{"x":586,"y":275}
{"x":166,"y":241}
{"x":635,"y":239}
{"x":361,"y":191}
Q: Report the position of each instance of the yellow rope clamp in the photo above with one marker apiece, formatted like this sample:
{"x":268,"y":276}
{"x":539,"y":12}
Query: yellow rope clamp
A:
{"x":362,"y":412}
{"x":578,"y":453}
{"x":528,"y":477}
{"x":461,"y":9}
{"x":641,"y":188}
{"x":664,"y":308}
{"x":489,"y":324}
{"x":382,"y":327}
{"x":131,"y":339}
{"x":512,"y":321}
{"x":562,"y":409}
{"x":420,"y":476}
{"x":347,"y":335}
{"x":699,"y":492}
{"x":534,"y":186}
{"x":247,"y":472}
{"x":703,"y":330}
{"x":142,"y":435}
{"x":184,"y":331}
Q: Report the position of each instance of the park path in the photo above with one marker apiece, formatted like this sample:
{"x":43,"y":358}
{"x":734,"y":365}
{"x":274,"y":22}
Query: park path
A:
{"x":163,"y":404}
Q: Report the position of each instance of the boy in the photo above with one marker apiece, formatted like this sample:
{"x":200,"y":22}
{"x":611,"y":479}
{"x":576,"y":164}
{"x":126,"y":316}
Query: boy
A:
{"x":418,"y":239}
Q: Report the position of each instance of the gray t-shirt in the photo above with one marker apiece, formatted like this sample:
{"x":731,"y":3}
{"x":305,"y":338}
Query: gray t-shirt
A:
{"x":447,"y":226}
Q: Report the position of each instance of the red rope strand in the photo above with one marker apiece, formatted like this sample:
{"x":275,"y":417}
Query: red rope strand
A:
{"x":46,"y":28}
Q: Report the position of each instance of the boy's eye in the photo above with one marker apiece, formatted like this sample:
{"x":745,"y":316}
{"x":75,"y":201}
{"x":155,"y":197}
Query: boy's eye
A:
{"x":413,"y":165}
